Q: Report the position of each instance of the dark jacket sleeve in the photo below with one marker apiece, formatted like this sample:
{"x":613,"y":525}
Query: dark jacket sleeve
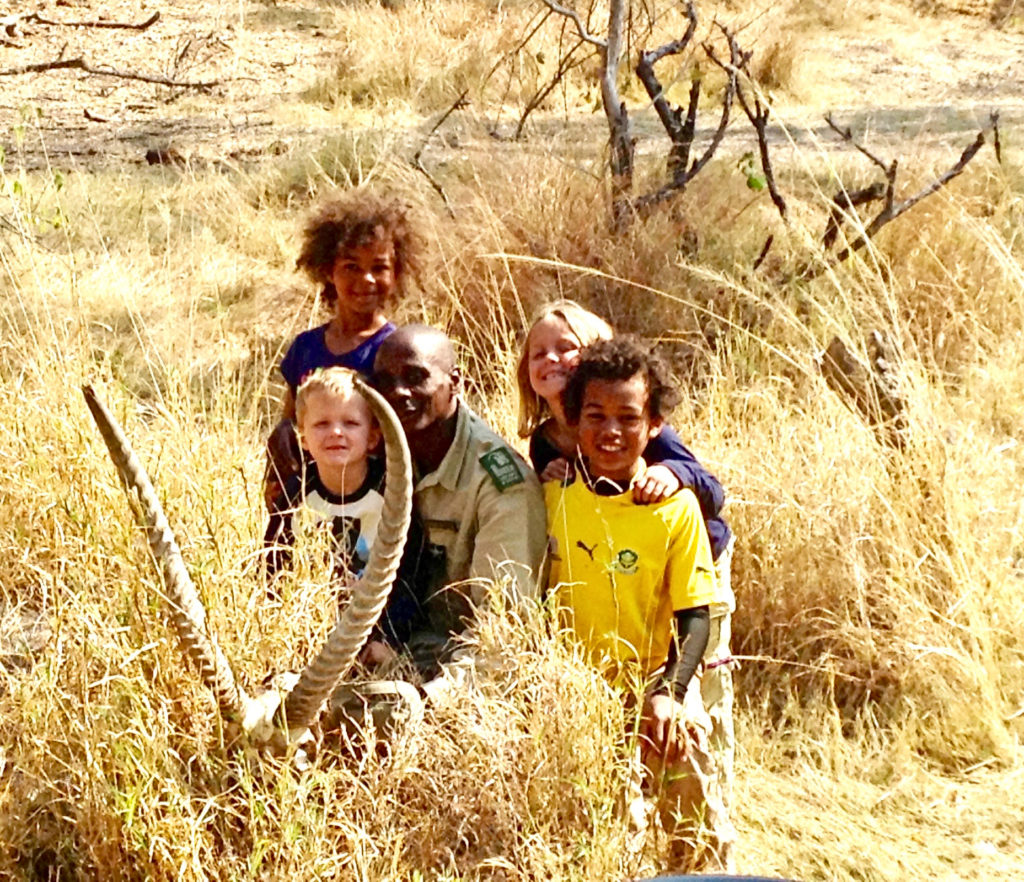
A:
{"x":542,"y":451}
{"x":667,"y":449}
{"x":404,"y":612}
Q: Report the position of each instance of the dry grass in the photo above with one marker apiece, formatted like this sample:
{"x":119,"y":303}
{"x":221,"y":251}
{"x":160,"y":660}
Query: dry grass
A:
{"x":881,"y":696}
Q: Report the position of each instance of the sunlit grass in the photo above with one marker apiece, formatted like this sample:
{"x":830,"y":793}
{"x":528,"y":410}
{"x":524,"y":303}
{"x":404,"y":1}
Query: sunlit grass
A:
{"x":882,"y":685}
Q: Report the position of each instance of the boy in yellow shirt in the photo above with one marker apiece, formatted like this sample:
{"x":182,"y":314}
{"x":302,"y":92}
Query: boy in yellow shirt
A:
{"x":636,"y":586}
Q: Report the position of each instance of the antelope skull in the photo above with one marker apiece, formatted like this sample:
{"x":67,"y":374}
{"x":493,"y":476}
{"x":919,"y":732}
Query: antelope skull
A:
{"x":273,"y":718}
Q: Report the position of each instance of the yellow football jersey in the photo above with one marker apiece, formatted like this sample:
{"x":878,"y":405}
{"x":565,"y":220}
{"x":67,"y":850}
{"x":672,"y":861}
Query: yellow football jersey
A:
{"x":620,"y":571}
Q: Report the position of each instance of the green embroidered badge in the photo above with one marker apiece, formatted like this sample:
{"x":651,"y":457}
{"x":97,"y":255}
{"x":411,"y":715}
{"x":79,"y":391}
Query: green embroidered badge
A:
{"x":501,"y":465}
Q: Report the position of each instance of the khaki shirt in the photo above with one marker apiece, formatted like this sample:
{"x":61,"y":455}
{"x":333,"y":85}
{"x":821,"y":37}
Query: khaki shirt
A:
{"x":484,"y":507}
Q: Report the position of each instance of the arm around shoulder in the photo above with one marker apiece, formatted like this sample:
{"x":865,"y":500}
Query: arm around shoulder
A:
{"x":667,"y":449}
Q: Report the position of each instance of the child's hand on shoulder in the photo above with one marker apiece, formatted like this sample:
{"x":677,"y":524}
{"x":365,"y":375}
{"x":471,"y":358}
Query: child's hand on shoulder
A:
{"x":560,"y":470}
{"x":657,"y":484}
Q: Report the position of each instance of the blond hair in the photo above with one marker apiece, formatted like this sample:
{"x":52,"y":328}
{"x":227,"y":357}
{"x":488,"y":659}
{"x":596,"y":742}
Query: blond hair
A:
{"x":337,"y":381}
{"x":586,"y":326}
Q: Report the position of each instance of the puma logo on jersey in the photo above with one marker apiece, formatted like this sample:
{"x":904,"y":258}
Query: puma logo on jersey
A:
{"x":589,"y":551}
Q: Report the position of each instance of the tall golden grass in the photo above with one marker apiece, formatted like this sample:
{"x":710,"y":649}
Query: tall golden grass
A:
{"x":879,"y":621}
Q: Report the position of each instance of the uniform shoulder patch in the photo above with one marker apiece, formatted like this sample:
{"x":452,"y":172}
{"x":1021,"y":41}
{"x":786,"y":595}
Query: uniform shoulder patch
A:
{"x":501,"y":465}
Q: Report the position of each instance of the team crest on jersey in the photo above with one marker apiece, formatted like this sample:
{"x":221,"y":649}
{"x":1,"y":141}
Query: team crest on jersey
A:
{"x":626,"y":561}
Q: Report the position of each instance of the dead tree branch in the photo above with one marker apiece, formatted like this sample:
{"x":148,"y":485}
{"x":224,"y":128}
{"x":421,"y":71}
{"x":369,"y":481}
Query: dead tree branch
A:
{"x":873,"y":392}
{"x":581,"y":29}
{"x":680,"y":131}
{"x":768,"y":242}
{"x":620,"y":136}
{"x":756,"y":111}
{"x":36,"y":18}
{"x":84,"y":66}
{"x":620,"y":132}
{"x":417,"y":160}
{"x":567,"y":61}
{"x":993,"y":118}
{"x":843,"y":202}
{"x":893,"y":209}
{"x":847,"y":135}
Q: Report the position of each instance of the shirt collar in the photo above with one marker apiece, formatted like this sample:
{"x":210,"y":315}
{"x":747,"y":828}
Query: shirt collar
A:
{"x":447,"y":473}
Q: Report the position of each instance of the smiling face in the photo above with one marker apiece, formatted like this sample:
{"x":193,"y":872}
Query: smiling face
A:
{"x":615,"y":426}
{"x":338,"y":431}
{"x":552,"y":351}
{"x":364,"y":278}
{"x":413,"y":370}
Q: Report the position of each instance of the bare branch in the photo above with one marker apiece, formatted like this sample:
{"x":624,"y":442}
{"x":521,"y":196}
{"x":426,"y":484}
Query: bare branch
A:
{"x":141,"y":26}
{"x":757,"y":112}
{"x":891,"y":212}
{"x":619,"y":130}
{"x":458,"y":104}
{"x":417,"y":160}
{"x":581,"y":29}
{"x":873,"y":391}
{"x":567,"y":61}
{"x":993,"y":119}
{"x":621,"y":146}
{"x":418,"y":165}
{"x":889,"y":169}
{"x":764,"y":251}
{"x":716,"y":140}
{"x":680,"y":132}
{"x":842,"y":202}
{"x":82,"y":65}
{"x":847,"y":135}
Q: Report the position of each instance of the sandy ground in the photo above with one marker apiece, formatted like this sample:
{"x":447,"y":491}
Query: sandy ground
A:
{"x":895,"y":75}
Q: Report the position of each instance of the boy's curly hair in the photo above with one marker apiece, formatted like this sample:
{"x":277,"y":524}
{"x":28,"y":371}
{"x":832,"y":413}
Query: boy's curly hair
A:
{"x":353,"y":220}
{"x":620,"y":358}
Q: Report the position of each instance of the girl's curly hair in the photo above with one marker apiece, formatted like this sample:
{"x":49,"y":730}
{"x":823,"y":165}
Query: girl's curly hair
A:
{"x":350,"y":221}
{"x":620,"y":358}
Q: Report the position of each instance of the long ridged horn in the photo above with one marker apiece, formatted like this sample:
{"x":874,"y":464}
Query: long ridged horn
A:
{"x":370,"y":593}
{"x":188,"y":615}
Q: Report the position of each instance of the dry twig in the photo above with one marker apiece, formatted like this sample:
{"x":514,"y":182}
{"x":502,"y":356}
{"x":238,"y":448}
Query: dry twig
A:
{"x":893,"y":209}
{"x":84,"y":66}
{"x":567,"y":61}
{"x":993,"y":118}
{"x":581,"y":29}
{"x":680,"y":130}
{"x":36,"y":18}
{"x":842,"y":202}
{"x":872,"y":392}
{"x":757,"y":112}
{"x":417,"y":160}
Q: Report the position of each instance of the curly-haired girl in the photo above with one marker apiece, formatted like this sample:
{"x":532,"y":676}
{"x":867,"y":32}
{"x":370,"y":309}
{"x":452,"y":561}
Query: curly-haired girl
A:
{"x":359,"y":248}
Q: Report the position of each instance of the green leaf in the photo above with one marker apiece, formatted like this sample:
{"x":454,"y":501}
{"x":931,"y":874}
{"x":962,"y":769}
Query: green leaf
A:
{"x":756,"y":181}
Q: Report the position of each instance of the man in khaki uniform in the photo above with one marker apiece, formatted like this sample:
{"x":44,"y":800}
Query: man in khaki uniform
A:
{"x":480,"y":503}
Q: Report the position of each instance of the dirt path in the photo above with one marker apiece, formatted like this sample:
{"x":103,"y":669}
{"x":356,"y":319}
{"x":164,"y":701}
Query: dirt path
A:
{"x":930,"y":80}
